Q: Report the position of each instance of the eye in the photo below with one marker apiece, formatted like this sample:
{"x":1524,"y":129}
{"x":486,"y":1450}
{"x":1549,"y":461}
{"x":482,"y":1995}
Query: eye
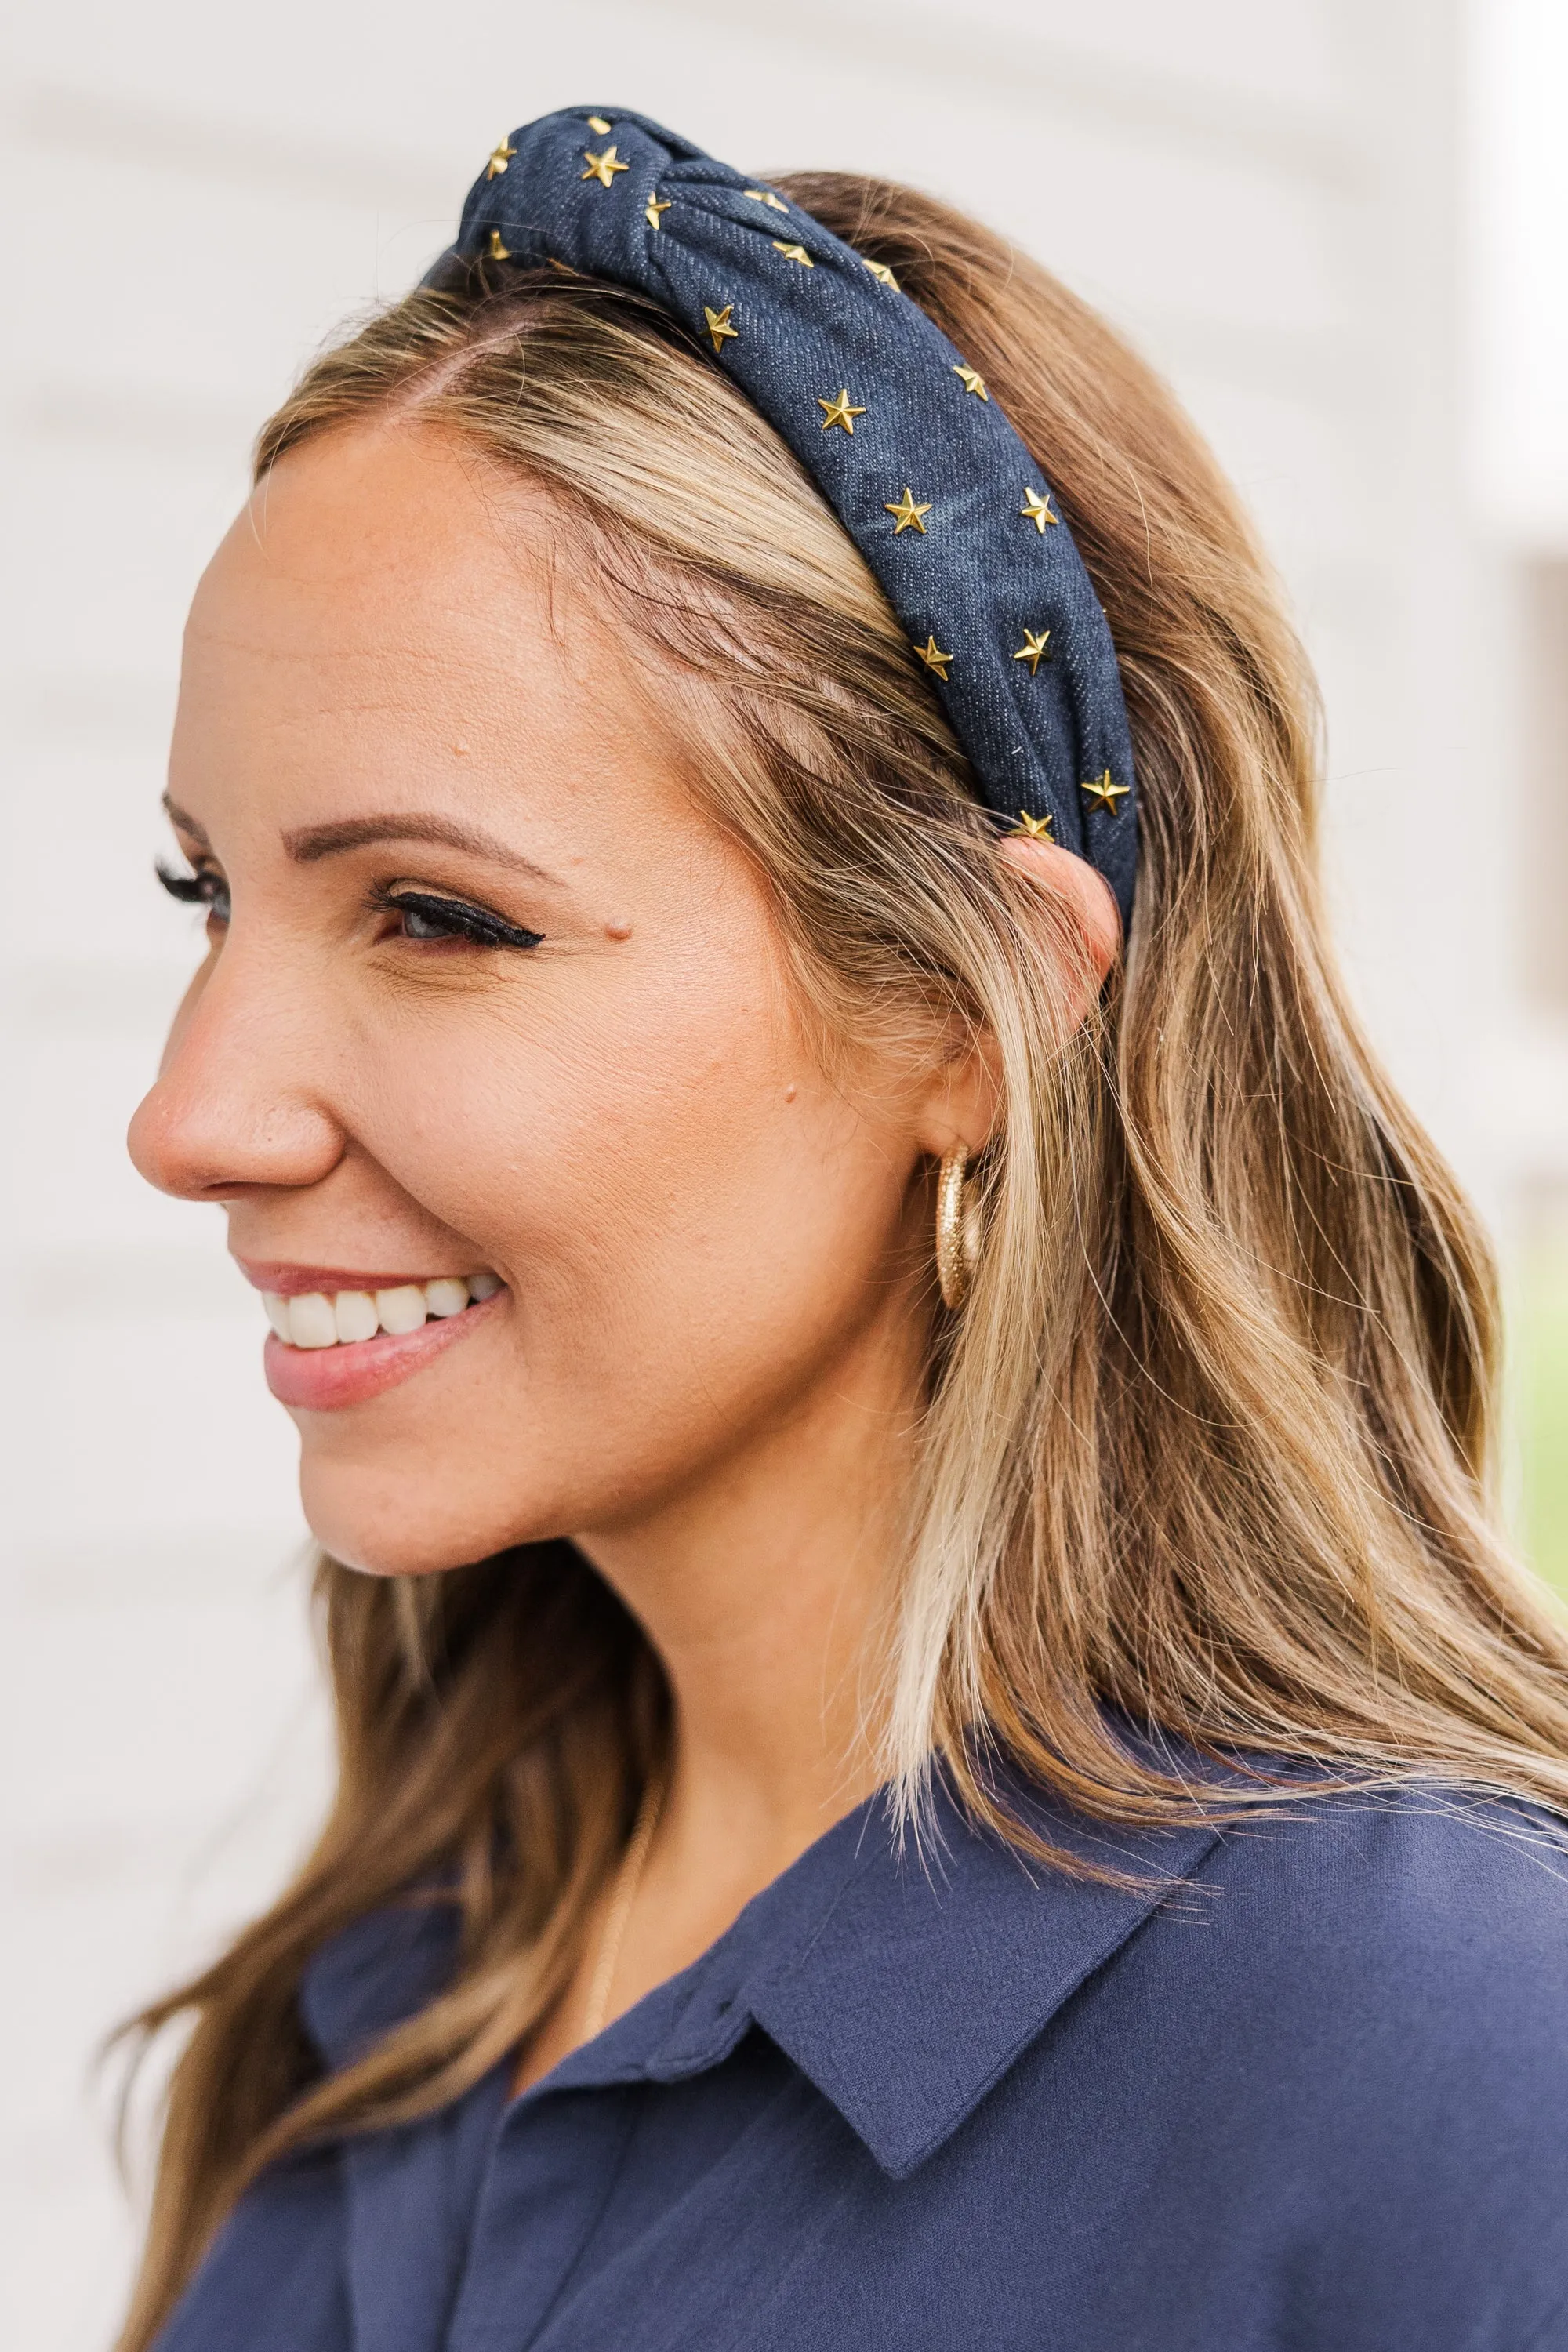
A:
{"x":424,"y":915}
{"x":204,"y":888}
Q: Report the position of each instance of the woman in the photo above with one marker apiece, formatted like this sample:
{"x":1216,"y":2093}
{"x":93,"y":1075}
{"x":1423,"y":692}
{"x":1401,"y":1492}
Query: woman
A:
{"x":937,"y":1747}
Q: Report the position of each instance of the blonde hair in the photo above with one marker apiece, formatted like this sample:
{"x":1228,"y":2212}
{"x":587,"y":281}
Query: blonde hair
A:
{"x":1205,"y":1455}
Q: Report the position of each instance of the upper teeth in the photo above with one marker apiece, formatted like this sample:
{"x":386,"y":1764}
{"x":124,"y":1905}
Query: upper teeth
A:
{"x":316,"y":1319}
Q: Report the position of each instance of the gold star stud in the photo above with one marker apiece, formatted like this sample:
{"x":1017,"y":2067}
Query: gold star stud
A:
{"x":501,"y":156}
{"x":1037,"y":511}
{"x":498,"y":252}
{"x":653,"y":208}
{"x":907,"y":512}
{"x":1100,"y":788}
{"x":795,"y":252}
{"x":1035,"y":649}
{"x":601,"y":167}
{"x":972,"y":381}
{"x":1034,"y":828}
{"x":931,"y":654}
{"x":597,"y":123}
{"x":766,"y":196}
{"x":841,"y":411}
{"x":718,"y":326}
{"x":881,"y":270}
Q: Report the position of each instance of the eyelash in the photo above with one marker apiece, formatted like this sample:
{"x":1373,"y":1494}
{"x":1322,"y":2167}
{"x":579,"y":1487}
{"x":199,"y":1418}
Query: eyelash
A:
{"x":449,"y":918}
{"x":455,"y":919}
{"x":204,"y":888}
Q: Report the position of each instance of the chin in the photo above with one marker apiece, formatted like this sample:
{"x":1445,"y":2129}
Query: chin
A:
{"x":385,"y":1527}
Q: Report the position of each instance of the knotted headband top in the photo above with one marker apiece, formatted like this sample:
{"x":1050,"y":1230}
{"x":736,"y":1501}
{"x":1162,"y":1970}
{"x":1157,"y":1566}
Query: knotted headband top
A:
{"x":899,"y":432}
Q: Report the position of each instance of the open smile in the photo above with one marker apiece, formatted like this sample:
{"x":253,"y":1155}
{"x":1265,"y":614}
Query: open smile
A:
{"x":339,"y":1339}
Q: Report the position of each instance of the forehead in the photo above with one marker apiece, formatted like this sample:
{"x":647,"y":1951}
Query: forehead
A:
{"x":389,"y":602}
{"x":382,"y":545}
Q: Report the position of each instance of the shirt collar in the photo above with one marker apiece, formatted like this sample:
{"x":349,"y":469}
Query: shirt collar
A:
{"x":903,"y":1979}
{"x":375,"y":1972}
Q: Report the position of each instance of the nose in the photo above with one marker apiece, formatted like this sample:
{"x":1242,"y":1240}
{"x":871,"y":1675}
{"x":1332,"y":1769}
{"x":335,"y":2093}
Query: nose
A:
{"x":233,"y":1110}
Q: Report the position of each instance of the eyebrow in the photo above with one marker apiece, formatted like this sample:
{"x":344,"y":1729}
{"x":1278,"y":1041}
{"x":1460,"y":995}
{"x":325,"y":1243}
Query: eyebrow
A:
{"x":186,"y":825}
{"x":311,"y":842}
{"x":308,"y":843}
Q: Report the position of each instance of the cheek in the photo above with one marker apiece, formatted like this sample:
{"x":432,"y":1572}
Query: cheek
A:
{"x":590,"y":1153}
{"x":685,"y":1213}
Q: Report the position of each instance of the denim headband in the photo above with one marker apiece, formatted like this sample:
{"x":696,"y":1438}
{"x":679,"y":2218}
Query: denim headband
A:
{"x":899,"y":434}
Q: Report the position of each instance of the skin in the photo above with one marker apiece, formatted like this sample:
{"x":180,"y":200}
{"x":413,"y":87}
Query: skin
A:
{"x":717,"y":1260}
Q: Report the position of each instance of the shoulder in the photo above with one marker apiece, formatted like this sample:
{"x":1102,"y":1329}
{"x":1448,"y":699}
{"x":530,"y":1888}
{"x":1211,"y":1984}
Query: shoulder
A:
{"x":1365,"y":2025}
{"x":1436,"y":1892}
{"x":1335,"y":2058}
{"x":1415,"y":1941}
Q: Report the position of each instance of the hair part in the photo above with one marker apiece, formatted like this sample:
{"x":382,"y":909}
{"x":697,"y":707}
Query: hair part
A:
{"x":1206,"y":1454}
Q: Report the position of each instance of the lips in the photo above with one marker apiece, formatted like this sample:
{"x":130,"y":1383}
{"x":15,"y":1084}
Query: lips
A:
{"x":339,"y":1339}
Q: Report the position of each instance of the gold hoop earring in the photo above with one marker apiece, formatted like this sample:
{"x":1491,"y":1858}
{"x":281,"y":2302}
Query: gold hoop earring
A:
{"x":957,"y":1230}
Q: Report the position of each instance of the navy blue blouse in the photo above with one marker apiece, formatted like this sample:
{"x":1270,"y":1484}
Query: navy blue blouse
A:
{"x":1314,"y":2099}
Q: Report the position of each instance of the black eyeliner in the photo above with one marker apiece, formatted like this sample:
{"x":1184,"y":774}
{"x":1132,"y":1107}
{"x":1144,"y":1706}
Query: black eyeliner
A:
{"x":465,"y":920}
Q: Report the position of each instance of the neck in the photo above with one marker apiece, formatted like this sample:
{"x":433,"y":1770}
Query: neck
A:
{"x":767,"y":1591}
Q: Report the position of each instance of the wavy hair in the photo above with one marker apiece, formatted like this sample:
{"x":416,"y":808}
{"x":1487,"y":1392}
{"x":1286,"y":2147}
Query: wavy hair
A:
{"x":1206,"y":1449}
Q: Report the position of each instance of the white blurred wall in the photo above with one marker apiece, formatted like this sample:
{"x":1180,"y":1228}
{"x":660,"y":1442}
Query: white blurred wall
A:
{"x":1264,"y":197}
{"x":1516,"y":54}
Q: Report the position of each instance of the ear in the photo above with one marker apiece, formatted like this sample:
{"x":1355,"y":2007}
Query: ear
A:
{"x":1083,"y":894}
{"x":1079,"y":925}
